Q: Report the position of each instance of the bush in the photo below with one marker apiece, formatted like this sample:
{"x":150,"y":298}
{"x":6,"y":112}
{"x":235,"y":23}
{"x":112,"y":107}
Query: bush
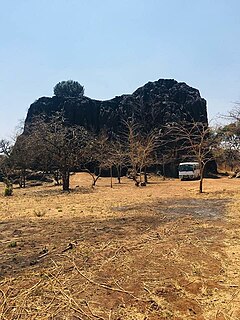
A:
{"x":68,"y":89}
{"x":8,"y":191}
{"x":12,"y":244}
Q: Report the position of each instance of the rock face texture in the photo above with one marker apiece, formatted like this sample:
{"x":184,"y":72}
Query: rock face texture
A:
{"x":152,"y":105}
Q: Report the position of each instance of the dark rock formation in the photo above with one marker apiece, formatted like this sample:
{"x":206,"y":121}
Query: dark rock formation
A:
{"x":152,"y":105}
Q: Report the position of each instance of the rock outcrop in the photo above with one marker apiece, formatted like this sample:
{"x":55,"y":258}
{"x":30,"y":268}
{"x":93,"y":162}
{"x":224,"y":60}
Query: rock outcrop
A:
{"x":152,"y":105}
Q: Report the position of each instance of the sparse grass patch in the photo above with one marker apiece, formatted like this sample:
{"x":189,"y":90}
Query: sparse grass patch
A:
{"x":12,"y":244}
{"x":160,"y":252}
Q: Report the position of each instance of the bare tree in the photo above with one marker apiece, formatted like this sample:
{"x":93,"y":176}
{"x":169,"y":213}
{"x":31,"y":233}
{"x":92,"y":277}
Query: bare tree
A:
{"x":140,"y":150}
{"x":229,"y":138}
{"x":195,"y":141}
{"x":234,"y":114}
{"x":6,"y":166}
{"x":229,"y":145}
{"x":98,"y":156}
{"x":5,"y":147}
{"x":59,"y":145}
{"x":118,"y":156}
{"x":22,"y":157}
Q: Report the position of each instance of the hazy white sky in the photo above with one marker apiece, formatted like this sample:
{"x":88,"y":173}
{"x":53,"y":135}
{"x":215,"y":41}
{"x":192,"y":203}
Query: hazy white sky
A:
{"x":114,"y":46}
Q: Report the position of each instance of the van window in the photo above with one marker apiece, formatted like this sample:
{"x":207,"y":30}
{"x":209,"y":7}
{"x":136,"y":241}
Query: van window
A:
{"x":186,"y":167}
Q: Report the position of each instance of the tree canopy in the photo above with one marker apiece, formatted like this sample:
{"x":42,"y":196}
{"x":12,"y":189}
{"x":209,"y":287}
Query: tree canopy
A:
{"x":68,"y":89}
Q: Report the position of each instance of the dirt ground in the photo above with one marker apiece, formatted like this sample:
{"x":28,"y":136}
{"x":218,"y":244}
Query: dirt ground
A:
{"x":124,"y":253}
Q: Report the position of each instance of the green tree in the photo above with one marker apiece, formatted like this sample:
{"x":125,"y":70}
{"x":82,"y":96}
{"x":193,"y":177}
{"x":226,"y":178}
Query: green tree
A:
{"x":68,"y":89}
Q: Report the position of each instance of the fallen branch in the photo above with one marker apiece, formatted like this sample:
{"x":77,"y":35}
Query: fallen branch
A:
{"x":69,"y":247}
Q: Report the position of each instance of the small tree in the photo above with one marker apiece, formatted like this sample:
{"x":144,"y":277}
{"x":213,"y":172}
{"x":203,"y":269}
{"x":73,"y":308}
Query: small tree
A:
{"x":6,"y":165}
{"x":5,"y":147}
{"x":140,"y":150}
{"x":229,"y":147}
{"x":196,"y":141}
{"x":234,"y":114}
{"x":98,"y":155}
{"x":229,"y":144}
{"x":118,"y":157}
{"x":62,"y":145}
{"x":68,"y":89}
{"x":22,"y":157}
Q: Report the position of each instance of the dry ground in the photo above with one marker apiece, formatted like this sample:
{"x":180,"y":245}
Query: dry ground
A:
{"x":126,"y":253}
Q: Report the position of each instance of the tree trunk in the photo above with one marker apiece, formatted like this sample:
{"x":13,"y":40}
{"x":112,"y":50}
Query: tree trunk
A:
{"x":201,"y":185}
{"x":96,"y":179}
{"x":134,"y":176}
{"x":65,"y":179}
{"x":145,"y":175}
{"x":163,"y":169}
{"x":24,"y":178}
{"x":140,"y":175}
{"x":20,"y":181}
{"x":119,"y":173}
{"x":201,"y":179}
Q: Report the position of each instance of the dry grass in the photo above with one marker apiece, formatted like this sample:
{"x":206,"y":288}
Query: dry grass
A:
{"x":126,"y":253}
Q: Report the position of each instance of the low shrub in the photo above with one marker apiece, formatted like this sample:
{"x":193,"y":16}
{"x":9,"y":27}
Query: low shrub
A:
{"x":8,"y":191}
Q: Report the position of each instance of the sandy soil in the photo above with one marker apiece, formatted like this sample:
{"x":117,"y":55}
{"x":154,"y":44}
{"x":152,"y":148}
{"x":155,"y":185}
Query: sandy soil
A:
{"x":156,"y":252}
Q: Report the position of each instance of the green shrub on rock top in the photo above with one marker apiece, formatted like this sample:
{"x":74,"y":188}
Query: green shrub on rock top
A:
{"x":68,"y":89}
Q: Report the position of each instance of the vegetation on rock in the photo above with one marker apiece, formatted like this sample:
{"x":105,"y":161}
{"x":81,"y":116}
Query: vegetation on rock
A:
{"x":68,"y":89}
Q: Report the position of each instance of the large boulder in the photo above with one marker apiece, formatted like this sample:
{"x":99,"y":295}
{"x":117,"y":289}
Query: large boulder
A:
{"x":154,"y":104}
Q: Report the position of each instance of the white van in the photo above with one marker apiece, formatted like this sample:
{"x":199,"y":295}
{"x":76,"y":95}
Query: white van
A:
{"x":189,"y":170}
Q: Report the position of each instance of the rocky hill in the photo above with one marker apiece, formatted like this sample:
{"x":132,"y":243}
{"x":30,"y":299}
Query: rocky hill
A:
{"x":153,"y":104}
